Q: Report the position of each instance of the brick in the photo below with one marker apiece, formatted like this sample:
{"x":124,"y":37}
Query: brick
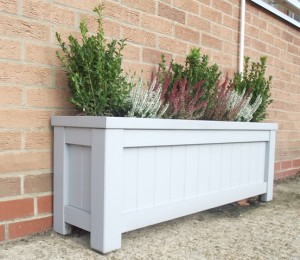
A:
{"x":121,"y":13}
{"x":10,"y":140}
{"x":2,"y":233}
{"x":111,"y":29}
{"x":25,"y":74}
{"x":287,"y":36}
{"x":10,"y":186}
{"x":87,"y":5}
{"x":138,"y":69}
{"x":25,"y":161}
{"x":12,"y":96}
{"x":9,"y":6}
{"x":10,"y":49}
{"x":49,"y":12}
{"x":45,"y":204}
{"x":171,"y":13}
{"x":293,"y":49}
{"x":186,"y":34}
{"x":41,"y":54}
{"x":131,"y":52}
{"x":211,"y":42}
{"x":190,"y":6}
{"x":24,"y":228}
{"x":139,"y":36}
{"x":61,"y":79}
{"x":38,"y":140}
{"x":198,"y":23}
{"x":38,"y":183}
{"x":211,"y":14}
{"x":296,"y":163}
{"x":230,"y":22}
{"x":258,"y":45}
{"x":222,"y":32}
{"x":24,"y":29}
{"x":222,"y":6}
{"x":46,"y":98}
{"x":285,"y":174}
{"x":13,"y":209}
{"x":24,"y":118}
{"x":277,"y":166}
{"x":143,"y":5}
{"x":286,"y":165}
{"x":154,"y":56}
{"x":172,"y":45}
{"x":156,"y":24}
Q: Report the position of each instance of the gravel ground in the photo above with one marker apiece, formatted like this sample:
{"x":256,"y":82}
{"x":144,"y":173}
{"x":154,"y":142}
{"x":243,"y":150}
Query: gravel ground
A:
{"x":259,"y":231}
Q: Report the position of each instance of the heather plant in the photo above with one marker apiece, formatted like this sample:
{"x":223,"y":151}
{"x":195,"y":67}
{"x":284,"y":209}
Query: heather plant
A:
{"x":146,"y":102}
{"x":254,"y":78}
{"x":183,"y":99}
{"x":98,"y":85}
{"x":195,"y":70}
{"x":228,"y":105}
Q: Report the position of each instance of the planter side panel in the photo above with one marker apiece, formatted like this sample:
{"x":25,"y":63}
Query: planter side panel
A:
{"x":156,"y":176}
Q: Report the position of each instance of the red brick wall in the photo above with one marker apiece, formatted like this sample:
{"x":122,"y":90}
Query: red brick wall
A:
{"x":33,"y":87}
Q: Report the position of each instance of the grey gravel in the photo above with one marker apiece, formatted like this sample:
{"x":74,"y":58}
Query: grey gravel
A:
{"x":259,"y":231}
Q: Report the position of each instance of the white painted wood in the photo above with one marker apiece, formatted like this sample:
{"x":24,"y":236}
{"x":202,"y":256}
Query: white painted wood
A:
{"x":138,"y":138}
{"x":236,"y":164}
{"x":191,"y":172}
{"x":226,"y":166}
{"x":163,"y":175}
{"x":78,"y":218}
{"x":215,"y":168}
{"x":127,"y":173}
{"x":106,"y":189}
{"x":204,"y":169}
{"x":130,"y":180}
{"x":149,"y":123}
{"x":61,"y":187}
{"x":75,"y":175}
{"x":86,"y":179}
{"x":177,"y":173}
{"x":269,"y":167}
{"x":78,"y":136}
{"x":146,"y":178}
{"x":177,"y":209}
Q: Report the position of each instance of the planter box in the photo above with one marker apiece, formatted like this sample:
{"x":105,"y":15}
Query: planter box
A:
{"x":113,"y":175}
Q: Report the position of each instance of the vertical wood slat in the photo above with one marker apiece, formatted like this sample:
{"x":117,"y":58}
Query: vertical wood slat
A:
{"x":75,"y":175}
{"x":130,"y":180}
{"x":146,"y":178}
{"x":86,"y":179}
{"x":269,"y":167}
{"x":106,"y":189}
{"x":163,"y":175}
{"x":191,"y":171}
{"x":204,"y":169}
{"x":60,"y":182}
{"x":177,"y":173}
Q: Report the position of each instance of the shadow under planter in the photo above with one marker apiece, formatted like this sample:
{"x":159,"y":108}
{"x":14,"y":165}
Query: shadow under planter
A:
{"x":113,"y":175}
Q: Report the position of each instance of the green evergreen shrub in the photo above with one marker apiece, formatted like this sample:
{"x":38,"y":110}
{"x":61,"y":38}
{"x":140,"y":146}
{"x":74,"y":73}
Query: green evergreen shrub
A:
{"x":96,"y":79}
{"x":254,"y":79}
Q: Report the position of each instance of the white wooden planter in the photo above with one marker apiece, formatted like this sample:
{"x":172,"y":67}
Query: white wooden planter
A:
{"x":113,"y":175}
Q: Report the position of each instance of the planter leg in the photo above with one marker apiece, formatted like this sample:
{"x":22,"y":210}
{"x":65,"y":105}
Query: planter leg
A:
{"x":60,"y":182}
{"x":107,"y":153}
{"x":269,"y":169}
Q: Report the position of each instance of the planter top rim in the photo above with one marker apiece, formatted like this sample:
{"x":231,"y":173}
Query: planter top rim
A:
{"x":149,"y":123}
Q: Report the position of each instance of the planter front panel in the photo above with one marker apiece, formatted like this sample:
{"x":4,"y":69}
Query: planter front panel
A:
{"x":114,"y":176}
{"x":156,"y":176}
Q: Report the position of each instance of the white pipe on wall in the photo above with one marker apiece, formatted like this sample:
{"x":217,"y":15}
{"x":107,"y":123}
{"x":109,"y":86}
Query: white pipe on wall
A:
{"x":242,"y":35}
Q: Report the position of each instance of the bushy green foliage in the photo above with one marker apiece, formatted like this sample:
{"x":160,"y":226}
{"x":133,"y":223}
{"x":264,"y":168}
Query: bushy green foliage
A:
{"x":195,"y":70}
{"x":95,"y":75}
{"x":254,"y":79}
